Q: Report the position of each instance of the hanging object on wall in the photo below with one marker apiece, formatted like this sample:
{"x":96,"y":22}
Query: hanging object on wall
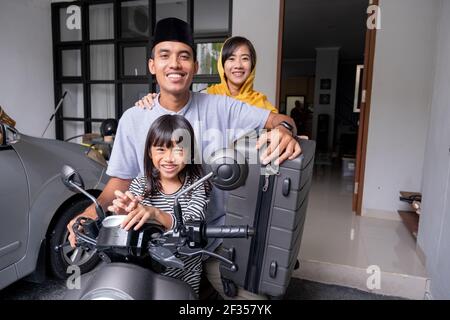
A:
{"x":325,"y":84}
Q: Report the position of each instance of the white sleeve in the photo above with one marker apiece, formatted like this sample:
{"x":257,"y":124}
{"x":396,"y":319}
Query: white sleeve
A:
{"x":123,"y":162}
{"x":243,"y":117}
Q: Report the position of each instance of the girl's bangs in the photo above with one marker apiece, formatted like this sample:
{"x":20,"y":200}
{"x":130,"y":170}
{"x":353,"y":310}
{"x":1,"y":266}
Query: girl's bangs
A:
{"x":163,"y":137}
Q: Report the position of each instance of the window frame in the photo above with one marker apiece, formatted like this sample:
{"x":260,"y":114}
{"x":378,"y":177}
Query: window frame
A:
{"x":119,"y":44}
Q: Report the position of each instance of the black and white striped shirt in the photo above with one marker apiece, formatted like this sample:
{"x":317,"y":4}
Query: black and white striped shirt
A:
{"x":193,"y":205}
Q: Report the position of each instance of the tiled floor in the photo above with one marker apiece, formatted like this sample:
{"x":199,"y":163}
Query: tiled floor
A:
{"x":338,"y":246}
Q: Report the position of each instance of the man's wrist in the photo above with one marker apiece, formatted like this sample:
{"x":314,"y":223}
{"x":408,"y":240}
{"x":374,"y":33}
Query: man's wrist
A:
{"x":287,"y":126}
{"x":88,"y":213}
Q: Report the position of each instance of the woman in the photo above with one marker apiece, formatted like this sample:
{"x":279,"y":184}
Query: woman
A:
{"x":236,"y":66}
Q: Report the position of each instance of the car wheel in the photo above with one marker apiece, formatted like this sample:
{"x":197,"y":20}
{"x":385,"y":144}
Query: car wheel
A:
{"x":62,"y":258}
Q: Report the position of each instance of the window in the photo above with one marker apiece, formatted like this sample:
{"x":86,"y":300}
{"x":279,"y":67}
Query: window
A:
{"x":101,"y":49}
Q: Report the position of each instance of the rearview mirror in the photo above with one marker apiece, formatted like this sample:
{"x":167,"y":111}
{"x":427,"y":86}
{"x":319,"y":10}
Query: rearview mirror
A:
{"x":73,"y":181}
{"x":229,"y":169}
{"x":70,"y":178}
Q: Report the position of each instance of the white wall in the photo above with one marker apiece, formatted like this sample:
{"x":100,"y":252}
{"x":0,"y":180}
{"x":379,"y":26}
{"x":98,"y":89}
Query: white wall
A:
{"x":434,"y":228}
{"x":258,"y":21}
{"x":401,"y":96}
{"x":26,"y":65}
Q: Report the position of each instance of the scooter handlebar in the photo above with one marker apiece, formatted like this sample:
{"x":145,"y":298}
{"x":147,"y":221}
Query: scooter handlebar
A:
{"x":229,"y":231}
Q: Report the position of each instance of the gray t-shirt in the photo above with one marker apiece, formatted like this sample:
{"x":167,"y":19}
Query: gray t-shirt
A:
{"x":217,"y":121}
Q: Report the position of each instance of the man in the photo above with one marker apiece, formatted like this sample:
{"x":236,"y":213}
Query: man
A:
{"x":174,"y":64}
{"x":299,"y":115}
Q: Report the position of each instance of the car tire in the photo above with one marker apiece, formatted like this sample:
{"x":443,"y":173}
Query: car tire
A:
{"x":62,"y":258}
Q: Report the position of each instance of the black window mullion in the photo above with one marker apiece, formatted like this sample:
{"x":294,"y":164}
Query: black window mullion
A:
{"x":70,"y":80}
{"x":86,"y":67}
{"x":191,"y":22}
{"x":101,"y":41}
{"x":118,"y":61}
{"x":59,"y":131}
{"x":152,"y":15}
{"x":204,"y":78}
{"x":73,"y":119}
{"x":117,"y":86}
{"x":203,"y":37}
{"x":69,"y":44}
{"x":190,"y":14}
{"x":149,"y":75}
{"x":230,"y":18}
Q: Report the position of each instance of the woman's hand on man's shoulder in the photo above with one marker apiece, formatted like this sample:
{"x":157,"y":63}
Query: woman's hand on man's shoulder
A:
{"x":147,"y":102}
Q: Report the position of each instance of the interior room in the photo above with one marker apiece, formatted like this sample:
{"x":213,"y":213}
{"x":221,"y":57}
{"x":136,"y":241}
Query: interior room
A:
{"x":365,"y":80}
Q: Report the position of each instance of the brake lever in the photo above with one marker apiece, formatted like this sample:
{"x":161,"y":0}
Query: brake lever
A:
{"x":165,"y":257}
{"x":233,"y":267}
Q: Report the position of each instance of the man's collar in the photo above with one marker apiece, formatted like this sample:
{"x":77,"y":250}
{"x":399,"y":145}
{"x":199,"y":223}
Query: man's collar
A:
{"x":182,"y":111}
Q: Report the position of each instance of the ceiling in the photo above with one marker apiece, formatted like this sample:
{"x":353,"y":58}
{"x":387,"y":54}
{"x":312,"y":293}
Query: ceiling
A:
{"x":324,"y":23}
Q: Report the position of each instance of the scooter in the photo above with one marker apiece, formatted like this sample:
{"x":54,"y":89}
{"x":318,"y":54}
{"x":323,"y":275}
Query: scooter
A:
{"x":132,"y":258}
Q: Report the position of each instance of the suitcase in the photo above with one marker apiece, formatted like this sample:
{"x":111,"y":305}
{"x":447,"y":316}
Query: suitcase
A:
{"x":275,"y":204}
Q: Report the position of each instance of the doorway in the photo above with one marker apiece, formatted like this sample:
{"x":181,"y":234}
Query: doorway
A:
{"x":326,"y":63}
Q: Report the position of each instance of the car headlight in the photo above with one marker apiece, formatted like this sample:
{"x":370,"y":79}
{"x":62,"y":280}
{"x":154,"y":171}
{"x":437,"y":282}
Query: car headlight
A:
{"x":93,"y":154}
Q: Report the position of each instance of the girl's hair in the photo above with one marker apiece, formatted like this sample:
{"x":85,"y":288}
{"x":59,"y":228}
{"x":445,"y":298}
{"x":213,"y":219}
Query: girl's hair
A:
{"x":166,"y":131}
{"x":232,"y":44}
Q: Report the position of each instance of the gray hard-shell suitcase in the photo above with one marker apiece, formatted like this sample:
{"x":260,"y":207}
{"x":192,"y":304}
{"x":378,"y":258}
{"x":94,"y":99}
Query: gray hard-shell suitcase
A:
{"x":275,"y":205}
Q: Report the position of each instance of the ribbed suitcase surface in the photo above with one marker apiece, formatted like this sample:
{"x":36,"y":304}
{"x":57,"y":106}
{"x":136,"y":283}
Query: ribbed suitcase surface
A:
{"x":275,"y":205}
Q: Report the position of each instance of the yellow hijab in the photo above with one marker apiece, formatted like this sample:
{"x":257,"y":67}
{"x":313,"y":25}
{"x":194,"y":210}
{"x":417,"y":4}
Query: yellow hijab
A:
{"x":246,"y":93}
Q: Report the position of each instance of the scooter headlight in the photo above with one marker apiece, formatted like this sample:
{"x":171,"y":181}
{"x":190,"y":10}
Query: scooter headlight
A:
{"x":106,"y":294}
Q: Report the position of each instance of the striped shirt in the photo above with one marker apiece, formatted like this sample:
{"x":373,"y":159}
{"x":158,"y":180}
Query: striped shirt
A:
{"x":193,"y":205}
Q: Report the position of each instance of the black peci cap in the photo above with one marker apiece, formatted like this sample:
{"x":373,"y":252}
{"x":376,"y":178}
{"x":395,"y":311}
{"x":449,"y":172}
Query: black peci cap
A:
{"x":173,"y":29}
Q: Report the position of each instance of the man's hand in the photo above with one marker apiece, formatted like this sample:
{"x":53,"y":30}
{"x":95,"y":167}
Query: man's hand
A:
{"x":281,"y":146}
{"x":104,"y":199}
{"x":147,"y":102}
{"x":124,"y":202}
{"x":72,"y":239}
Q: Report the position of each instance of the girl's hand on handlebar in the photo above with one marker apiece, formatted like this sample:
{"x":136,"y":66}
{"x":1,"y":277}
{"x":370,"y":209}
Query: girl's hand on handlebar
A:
{"x":124,"y":202}
{"x":146,"y":102}
{"x":138,"y":217}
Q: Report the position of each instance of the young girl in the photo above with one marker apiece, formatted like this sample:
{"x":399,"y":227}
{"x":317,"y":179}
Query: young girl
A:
{"x":169,"y":169}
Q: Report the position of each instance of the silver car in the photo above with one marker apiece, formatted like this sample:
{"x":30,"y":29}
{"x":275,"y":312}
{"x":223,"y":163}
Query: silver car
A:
{"x":35,"y":207}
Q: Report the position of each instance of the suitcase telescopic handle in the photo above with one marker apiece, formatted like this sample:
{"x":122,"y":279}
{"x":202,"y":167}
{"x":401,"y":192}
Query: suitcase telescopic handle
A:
{"x":229,"y":231}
